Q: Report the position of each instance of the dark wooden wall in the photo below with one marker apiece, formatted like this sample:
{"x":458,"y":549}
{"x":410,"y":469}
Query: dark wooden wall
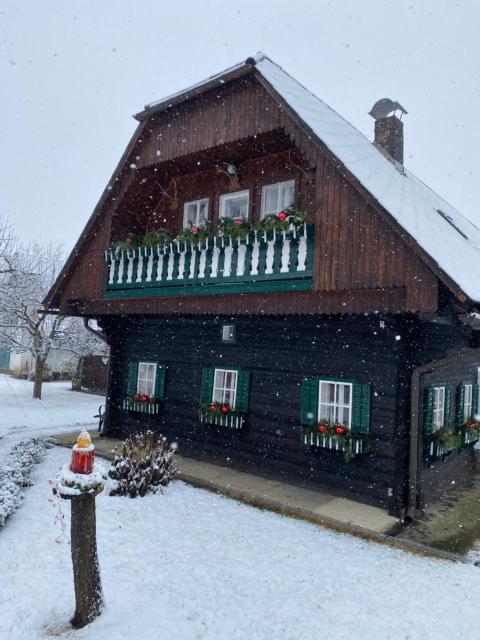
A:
{"x":456,"y":469}
{"x":279,"y":353}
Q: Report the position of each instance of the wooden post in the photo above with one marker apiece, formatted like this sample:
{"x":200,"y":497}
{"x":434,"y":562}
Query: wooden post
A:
{"x":86,"y":572}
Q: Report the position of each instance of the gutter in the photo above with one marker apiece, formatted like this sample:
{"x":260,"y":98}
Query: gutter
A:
{"x":412,"y":508}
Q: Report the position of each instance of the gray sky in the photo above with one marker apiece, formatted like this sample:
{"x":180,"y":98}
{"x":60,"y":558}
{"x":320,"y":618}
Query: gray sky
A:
{"x":73,"y":73}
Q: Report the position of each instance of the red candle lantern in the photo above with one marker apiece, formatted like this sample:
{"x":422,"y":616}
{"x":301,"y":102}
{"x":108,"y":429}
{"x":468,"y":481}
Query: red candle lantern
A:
{"x":83,"y":454}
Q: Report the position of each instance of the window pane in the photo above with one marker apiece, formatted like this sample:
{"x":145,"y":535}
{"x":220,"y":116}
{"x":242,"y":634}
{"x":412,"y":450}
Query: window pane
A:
{"x":287,"y":195}
{"x":270,"y":202}
{"x":327,"y":392}
{"x":202,"y":212}
{"x":189,"y":214}
{"x":236,"y":206}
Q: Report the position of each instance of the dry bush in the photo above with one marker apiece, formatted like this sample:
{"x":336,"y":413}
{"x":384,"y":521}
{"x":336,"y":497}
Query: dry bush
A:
{"x":144,"y":465}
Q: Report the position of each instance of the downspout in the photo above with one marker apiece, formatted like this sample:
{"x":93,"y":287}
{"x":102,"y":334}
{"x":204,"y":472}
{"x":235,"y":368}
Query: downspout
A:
{"x":412,"y":497}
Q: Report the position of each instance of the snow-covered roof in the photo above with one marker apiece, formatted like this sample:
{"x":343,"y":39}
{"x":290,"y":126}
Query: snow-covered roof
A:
{"x":441,"y":231}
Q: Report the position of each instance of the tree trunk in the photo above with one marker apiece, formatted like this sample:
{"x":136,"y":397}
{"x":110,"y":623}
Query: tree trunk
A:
{"x":86,"y":572}
{"x":38,"y":377}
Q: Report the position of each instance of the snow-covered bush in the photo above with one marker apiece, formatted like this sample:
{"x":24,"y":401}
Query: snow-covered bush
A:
{"x":15,"y":473}
{"x":143,"y":465}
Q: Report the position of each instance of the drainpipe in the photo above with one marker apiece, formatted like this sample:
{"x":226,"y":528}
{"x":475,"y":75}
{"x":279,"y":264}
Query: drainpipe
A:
{"x":412,"y":509}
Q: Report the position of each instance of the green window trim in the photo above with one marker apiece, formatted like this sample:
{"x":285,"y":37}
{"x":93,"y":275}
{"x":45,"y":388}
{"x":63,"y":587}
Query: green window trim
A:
{"x":242,"y":388}
{"x":361,"y":402}
{"x":159,"y":378}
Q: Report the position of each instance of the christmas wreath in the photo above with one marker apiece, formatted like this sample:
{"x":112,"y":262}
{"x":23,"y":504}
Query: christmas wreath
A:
{"x":234,"y":228}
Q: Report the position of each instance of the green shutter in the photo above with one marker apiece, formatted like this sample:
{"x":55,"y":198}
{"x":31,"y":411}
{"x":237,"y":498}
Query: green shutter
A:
{"x":207,"y":385}
{"x":243,"y":386}
{"x":361,"y":408}
{"x":309,"y":401}
{"x":160,"y":381}
{"x":132,"y":378}
{"x":460,"y":404}
{"x":428,"y":411}
{"x":475,"y":400}
{"x":447,"y":414}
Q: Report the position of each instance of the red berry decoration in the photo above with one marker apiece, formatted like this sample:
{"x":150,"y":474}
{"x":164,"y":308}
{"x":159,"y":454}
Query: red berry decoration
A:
{"x":322,"y":428}
{"x":195,"y":229}
{"x":282,"y":215}
{"x":225,"y":408}
{"x":129,"y":240}
{"x":238,"y":221}
{"x":472,"y":425}
{"x":213,"y":407}
{"x":340,"y":431}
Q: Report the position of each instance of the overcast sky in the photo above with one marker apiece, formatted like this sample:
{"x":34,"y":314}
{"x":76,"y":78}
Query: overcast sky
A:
{"x":72,"y":74}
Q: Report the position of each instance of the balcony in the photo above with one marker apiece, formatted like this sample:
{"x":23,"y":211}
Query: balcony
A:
{"x":262,"y":261}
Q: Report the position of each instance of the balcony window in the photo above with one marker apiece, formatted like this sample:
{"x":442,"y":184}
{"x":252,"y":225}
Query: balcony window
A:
{"x":195,"y":213}
{"x":277,"y":197}
{"x":234,"y":205}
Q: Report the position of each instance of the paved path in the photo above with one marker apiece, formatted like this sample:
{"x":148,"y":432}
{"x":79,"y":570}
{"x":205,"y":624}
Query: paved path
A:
{"x":269,"y":494}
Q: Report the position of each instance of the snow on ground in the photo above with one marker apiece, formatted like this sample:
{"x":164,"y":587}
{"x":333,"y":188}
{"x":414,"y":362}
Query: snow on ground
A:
{"x":193,"y":565}
{"x":60,"y":409}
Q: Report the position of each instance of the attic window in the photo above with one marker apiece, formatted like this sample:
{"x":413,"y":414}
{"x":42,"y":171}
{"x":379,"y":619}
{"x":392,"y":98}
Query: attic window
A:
{"x":448,"y":218}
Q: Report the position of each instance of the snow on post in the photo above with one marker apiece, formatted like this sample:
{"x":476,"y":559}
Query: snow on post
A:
{"x":80,"y":482}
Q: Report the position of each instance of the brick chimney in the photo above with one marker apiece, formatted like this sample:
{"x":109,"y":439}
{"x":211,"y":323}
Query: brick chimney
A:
{"x":389,"y":136}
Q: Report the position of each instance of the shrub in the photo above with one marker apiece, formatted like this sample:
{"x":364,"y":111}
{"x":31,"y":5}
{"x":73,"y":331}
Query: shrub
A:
{"x":143,"y":465}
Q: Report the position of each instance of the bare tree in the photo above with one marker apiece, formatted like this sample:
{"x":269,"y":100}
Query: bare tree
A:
{"x":8,"y":248}
{"x":23,"y":325}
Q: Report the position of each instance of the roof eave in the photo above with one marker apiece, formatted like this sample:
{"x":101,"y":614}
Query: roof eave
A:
{"x":193,"y":92}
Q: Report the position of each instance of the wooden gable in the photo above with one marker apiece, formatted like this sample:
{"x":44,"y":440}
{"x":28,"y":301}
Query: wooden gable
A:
{"x":362,"y":262}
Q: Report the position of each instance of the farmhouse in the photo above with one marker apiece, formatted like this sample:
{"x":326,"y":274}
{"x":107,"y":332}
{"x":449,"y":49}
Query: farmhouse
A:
{"x":282,"y":295}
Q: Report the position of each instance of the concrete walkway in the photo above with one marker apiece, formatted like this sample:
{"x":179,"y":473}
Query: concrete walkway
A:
{"x":288,"y":499}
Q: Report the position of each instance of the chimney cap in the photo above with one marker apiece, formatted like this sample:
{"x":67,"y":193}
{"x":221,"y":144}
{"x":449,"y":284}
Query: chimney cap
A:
{"x":384,"y":107}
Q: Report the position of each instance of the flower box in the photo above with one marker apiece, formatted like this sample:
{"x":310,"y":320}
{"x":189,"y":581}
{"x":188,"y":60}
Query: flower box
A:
{"x":152,"y":408}
{"x":231,"y":421}
{"x":348,"y":443}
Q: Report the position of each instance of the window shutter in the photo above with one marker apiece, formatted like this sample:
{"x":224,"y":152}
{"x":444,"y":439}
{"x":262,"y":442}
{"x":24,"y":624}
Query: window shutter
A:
{"x":309,"y":401}
{"x":160,"y":381}
{"x":207,"y":385}
{"x":243,"y":385}
{"x":460,"y":404}
{"x":447,"y":414}
{"x":361,"y":408}
{"x":428,"y":411}
{"x":475,"y":400}
{"x":132,"y":378}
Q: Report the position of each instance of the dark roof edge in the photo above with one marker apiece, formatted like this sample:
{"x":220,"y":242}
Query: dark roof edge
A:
{"x":233,"y":73}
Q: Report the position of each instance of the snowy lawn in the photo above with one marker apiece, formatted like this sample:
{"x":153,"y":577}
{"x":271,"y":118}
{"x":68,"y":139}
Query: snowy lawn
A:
{"x":60,"y":409}
{"x":189,"y":564}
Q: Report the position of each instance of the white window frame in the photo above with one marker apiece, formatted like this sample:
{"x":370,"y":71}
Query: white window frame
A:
{"x":223,"y":389}
{"x":467,"y":401}
{"x":280,"y":205}
{"x":148,"y":380}
{"x":228,"y":333}
{"x":338,"y":407}
{"x":438,"y":411}
{"x":197,"y":204}
{"x":231,"y":196}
